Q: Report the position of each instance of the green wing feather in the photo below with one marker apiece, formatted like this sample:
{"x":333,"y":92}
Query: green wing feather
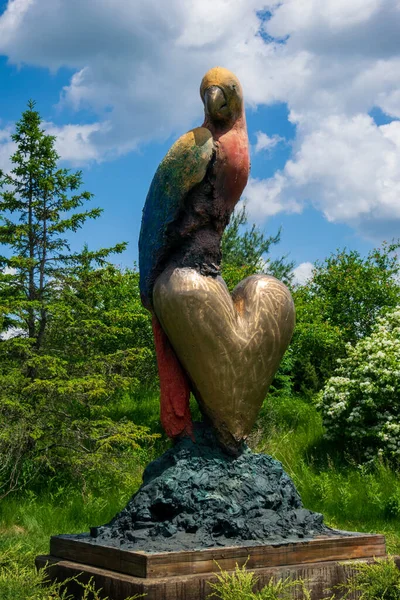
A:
{"x":183,"y":167}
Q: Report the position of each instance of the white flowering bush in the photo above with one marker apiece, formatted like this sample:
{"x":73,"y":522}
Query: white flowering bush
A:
{"x":361,"y":403}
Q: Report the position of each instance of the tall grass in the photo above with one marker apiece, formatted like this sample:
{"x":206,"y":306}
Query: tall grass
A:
{"x":27,"y":520}
{"x":290,"y":429}
{"x":18,"y":580}
{"x":26,"y":524}
{"x":350,"y":496}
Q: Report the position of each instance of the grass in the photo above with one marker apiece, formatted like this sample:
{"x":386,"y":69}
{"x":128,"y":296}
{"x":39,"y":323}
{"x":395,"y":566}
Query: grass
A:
{"x":240,"y":584}
{"x":19,"y":580}
{"x":28,"y":519}
{"x":378,"y":580}
{"x":26,"y":524}
{"x":351,"y":497}
{"x":290,"y":429}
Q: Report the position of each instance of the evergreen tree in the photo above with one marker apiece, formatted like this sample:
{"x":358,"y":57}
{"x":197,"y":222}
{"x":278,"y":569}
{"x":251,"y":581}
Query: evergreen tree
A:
{"x":38,"y":205}
{"x":245,"y":252}
{"x":67,"y":345}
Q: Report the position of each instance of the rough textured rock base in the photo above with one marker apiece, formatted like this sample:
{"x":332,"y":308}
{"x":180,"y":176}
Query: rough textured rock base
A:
{"x":197,"y":496}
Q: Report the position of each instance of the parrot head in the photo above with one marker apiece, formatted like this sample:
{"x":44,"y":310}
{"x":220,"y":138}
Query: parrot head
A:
{"x":222,"y":96}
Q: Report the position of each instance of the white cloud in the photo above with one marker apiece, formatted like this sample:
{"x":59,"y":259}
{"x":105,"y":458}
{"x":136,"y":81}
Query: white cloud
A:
{"x":12,"y":332}
{"x":266,"y":197}
{"x":7,"y":148}
{"x":343,"y":163}
{"x":9,"y":271}
{"x":266,"y":142}
{"x":138,"y":69}
{"x":77,"y":143}
{"x":348,"y":168}
{"x":302,"y":273}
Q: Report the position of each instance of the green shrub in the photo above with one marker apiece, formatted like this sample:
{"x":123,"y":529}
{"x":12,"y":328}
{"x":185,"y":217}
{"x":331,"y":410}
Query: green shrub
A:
{"x":240,"y":584}
{"x":315,"y":348}
{"x":379,"y":580}
{"x":19,"y":580}
{"x":361,"y":403}
{"x":59,"y":406}
{"x":236,"y":586}
{"x":70,"y":436}
{"x":350,"y":291}
{"x":340,"y":304}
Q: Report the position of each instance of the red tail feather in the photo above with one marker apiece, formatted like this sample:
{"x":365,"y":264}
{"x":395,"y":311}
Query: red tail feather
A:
{"x":175,"y":413}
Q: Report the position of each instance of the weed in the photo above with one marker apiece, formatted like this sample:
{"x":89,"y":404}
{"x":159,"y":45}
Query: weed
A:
{"x":240,"y":585}
{"x":351,"y":497}
{"x":19,"y":580}
{"x":379,"y":580}
{"x":234,"y":586}
{"x":90,"y":592}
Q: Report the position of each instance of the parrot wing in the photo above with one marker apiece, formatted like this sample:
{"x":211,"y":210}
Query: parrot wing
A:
{"x":184,"y":166}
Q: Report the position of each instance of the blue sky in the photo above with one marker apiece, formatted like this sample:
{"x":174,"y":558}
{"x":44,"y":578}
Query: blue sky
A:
{"x":118,"y":82}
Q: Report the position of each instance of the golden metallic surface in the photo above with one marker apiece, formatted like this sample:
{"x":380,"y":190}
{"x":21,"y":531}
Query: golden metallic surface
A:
{"x":230,"y":346}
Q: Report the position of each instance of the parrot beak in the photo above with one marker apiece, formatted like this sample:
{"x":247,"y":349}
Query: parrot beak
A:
{"x":214,"y":101}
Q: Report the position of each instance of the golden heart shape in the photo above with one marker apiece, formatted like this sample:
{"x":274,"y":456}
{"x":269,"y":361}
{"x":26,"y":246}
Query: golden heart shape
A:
{"x":230,"y":345}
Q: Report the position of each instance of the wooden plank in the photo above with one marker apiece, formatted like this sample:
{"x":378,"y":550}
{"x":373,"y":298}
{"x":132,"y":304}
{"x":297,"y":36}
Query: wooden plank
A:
{"x":318,"y":577}
{"x":166,"y":564}
{"x":132,"y":563}
{"x":162,"y":565}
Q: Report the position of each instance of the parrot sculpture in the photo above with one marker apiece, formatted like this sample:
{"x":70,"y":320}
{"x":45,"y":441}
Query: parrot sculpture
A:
{"x":224,"y":348}
{"x":189,"y":203}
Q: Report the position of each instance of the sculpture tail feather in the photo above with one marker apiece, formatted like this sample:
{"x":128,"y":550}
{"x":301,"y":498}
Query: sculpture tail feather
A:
{"x":174,"y":383}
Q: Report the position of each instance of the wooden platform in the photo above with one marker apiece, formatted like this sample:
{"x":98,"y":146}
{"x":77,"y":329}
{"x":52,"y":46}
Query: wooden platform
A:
{"x":167,"y":564}
{"x":185,"y":575}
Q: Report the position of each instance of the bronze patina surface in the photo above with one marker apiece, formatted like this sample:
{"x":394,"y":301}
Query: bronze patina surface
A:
{"x":191,"y":198}
{"x":208,"y":491}
{"x":230,"y":346}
